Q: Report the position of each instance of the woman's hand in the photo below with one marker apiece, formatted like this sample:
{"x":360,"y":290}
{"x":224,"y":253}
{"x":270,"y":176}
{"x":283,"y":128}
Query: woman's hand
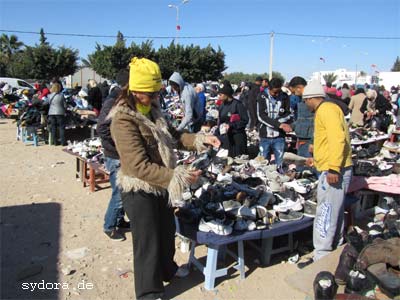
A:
{"x":194,"y":176}
{"x":213,"y":141}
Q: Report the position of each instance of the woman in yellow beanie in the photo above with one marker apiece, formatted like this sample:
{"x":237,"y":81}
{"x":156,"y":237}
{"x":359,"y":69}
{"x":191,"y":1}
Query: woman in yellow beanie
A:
{"x":151,"y":182}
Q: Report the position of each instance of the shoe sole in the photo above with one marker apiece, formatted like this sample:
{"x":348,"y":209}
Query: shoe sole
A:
{"x":309,"y":215}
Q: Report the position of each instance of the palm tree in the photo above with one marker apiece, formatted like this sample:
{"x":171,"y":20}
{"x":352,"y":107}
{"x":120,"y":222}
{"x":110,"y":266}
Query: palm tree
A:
{"x":10,"y":45}
{"x":330,"y":77}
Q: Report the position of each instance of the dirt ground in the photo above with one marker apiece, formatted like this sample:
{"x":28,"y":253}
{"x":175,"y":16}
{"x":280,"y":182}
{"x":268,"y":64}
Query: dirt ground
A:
{"x":53,"y":246}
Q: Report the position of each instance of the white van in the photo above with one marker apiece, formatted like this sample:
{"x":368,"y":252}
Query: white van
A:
{"x":17,"y":83}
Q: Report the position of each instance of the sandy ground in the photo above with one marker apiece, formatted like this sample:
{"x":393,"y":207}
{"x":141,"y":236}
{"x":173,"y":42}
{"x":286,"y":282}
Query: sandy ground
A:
{"x":51,"y":237}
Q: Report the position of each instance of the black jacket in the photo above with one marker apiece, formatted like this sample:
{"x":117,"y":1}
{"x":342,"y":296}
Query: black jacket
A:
{"x":251,"y":104}
{"x":381,"y":104}
{"x":95,"y":98}
{"x":228,"y":109}
{"x":271,"y":114}
{"x":103,"y":129}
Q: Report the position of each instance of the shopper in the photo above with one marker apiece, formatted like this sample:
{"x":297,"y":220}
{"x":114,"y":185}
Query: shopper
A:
{"x":374,"y":109}
{"x":56,"y":115}
{"x":202,"y":105}
{"x":304,"y":118}
{"x":192,"y":119}
{"x":95,"y":98}
{"x":273,"y":111}
{"x":332,"y":157}
{"x":232,"y":122}
{"x":114,"y":218}
{"x":151,"y":182}
{"x":254,"y":91}
{"x":356,"y":101}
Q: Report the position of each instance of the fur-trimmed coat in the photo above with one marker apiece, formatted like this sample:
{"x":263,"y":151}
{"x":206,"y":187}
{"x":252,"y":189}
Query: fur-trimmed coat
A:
{"x":145,"y":146}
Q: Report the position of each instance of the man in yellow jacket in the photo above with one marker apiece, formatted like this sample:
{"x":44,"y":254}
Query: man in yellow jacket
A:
{"x":332,"y":158}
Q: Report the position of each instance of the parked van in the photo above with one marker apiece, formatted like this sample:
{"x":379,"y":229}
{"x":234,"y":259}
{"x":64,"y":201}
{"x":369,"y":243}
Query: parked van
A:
{"x":17,"y":84}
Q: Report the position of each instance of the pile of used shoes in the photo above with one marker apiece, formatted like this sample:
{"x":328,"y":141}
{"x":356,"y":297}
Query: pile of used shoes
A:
{"x":363,"y":135}
{"x":239,"y":194}
{"x":371,"y":257}
{"x":375,"y":161}
{"x":89,"y":149}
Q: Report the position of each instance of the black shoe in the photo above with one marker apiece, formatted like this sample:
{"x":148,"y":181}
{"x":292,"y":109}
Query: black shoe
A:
{"x":124,"y":224}
{"x":346,"y":263}
{"x":305,"y":264}
{"x":114,"y":235}
{"x":358,"y":283}
{"x":325,"y":286}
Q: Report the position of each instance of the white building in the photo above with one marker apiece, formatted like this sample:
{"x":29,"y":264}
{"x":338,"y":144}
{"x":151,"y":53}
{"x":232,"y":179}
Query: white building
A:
{"x":343,"y":76}
{"x":82,"y":76}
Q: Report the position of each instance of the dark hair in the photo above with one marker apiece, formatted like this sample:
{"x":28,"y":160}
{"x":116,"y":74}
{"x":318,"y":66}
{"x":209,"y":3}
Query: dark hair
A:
{"x":329,"y":84}
{"x":275,"y":83}
{"x":345,"y":86}
{"x":359,"y":91}
{"x":297,"y":80}
{"x":125,"y":97}
{"x":122,"y":77}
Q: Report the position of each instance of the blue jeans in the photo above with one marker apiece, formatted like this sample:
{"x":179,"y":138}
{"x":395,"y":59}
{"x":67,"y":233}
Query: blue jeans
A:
{"x":303,"y":149}
{"x":277,"y":145}
{"x":115,"y":213}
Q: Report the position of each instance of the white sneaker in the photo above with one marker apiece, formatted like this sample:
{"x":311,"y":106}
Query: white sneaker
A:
{"x":302,"y":186}
{"x":225,"y":178}
{"x":222,"y":153}
{"x":215,"y":226}
{"x":288,"y":204}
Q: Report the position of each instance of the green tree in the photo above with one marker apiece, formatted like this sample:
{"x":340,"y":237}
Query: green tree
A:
{"x":330,"y":77}
{"x":238,"y":77}
{"x":396,"y":65}
{"x":9,"y":47}
{"x":48,"y":62}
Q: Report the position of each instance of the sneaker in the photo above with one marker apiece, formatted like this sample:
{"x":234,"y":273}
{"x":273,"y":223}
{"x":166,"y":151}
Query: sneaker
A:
{"x":231,"y":205}
{"x":302,"y":186}
{"x":324,"y":286}
{"x":287,"y":204}
{"x":246,"y":213}
{"x":114,"y":235}
{"x":310,"y":208}
{"x":305,"y":264}
{"x":216,"y":226}
{"x":182,"y":271}
{"x":391,"y":145}
{"x":124,"y":224}
{"x":290,"y":216}
{"x":224,"y":178}
{"x":240,"y":225}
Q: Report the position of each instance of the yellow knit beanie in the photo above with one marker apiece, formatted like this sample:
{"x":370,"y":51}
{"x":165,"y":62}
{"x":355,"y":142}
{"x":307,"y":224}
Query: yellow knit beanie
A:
{"x":144,"y":75}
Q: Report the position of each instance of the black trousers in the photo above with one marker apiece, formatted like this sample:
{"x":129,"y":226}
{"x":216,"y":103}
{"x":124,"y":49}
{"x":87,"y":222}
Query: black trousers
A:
{"x":57,"y":121}
{"x":236,"y":143}
{"x":153,"y":236}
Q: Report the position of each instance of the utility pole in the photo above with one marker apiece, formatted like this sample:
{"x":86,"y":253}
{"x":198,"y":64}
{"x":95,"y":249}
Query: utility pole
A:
{"x":271,"y":49}
{"x":355,"y":81}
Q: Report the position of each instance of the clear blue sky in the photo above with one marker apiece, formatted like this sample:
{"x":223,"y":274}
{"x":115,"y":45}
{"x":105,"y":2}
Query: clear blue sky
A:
{"x":292,"y":55}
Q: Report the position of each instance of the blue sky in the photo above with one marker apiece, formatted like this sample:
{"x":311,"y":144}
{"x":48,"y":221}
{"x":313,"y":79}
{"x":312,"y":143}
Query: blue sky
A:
{"x":292,"y":55}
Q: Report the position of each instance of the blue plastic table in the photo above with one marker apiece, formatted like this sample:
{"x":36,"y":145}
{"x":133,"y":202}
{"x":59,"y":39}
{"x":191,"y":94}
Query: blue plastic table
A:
{"x":215,"y":242}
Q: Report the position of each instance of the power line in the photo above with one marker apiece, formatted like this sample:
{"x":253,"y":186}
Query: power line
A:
{"x":210,"y":36}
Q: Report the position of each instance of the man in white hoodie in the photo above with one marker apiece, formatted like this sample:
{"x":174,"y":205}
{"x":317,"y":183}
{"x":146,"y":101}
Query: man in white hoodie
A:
{"x":192,"y":112}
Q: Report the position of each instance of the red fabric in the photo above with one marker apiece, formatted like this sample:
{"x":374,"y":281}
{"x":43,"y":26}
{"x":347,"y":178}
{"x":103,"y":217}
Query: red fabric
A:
{"x":43,"y":93}
{"x":234,"y":118}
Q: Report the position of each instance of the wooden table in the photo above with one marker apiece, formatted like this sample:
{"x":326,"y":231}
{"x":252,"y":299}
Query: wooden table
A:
{"x":90,"y":173}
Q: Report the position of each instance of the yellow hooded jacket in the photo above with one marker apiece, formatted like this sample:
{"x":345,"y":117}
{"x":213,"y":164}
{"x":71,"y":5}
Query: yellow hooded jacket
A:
{"x":332,"y":148}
